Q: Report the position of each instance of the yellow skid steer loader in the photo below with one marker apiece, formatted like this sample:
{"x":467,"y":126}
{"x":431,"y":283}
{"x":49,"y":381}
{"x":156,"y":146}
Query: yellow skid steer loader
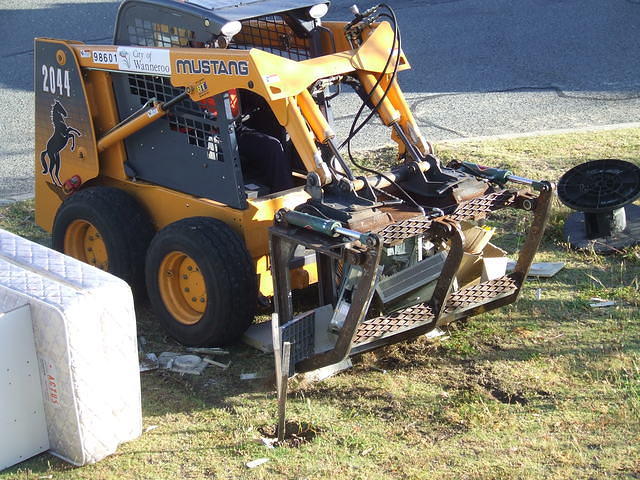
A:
{"x":195,"y":156}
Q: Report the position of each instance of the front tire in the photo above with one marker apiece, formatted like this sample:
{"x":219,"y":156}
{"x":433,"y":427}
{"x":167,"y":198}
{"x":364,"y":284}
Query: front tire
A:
{"x":201,"y":282}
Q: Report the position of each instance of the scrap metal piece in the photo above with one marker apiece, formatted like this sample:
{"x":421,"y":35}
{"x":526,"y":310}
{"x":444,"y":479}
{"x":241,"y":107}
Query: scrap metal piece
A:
{"x":541,"y":269}
{"x":282,"y":389}
{"x":300,"y":332}
{"x":411,"y":278}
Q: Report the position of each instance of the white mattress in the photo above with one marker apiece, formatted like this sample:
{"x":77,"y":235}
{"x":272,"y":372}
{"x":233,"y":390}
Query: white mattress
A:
{"x":85,"y":337}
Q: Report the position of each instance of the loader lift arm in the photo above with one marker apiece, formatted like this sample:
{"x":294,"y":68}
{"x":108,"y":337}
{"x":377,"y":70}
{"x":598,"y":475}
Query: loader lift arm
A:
{"x":282,"y":82}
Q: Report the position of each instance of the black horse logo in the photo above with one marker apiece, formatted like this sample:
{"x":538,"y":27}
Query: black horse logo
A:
{"x":58,"y":141}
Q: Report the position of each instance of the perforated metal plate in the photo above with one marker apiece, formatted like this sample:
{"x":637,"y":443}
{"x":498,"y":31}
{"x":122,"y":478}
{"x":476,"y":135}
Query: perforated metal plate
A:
{"x":412,"y":317}
{"x":471,"y":210}
{"x":481,"y":293}
{"x":300,"y":332}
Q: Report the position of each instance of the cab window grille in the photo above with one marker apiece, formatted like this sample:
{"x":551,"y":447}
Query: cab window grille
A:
{"x":271,"y":34}
{"x":152,"y":34}
{"x":192,"y":119}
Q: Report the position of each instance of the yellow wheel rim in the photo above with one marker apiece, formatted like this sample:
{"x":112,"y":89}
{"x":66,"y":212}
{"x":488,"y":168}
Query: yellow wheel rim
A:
{"x":83,"y":241}
{"x":182,"y":287}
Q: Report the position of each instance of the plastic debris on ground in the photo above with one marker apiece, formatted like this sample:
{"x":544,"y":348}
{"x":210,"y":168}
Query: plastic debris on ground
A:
{"x":541,"y":269}
{"x":250,"y":376}
{"x":182,"y":363}
{"x":148,"y":362}
{"x":208,"y":350}
{"x":223,"y":366}
{"x":256,"y":463}
{"x":165,"y":359}
{"x":191,"y":364}
{"x":435,"y":333}
{"x":601,"y":302}
{"x":268,"y":442}
{"x":176,"y":362}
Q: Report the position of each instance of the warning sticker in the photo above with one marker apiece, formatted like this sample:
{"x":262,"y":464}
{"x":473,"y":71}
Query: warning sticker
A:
{"x":271,"y":78}
{"x":51,"y":389}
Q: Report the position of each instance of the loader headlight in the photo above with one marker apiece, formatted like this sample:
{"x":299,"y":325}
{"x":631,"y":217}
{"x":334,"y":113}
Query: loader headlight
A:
{"x":318,"y":11}
{"x":230,"y":29}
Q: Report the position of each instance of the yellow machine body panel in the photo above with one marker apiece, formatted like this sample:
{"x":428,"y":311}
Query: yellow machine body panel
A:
{"x":65,"y":140}
{"x":191,"y":114}
{"x":203,"y":72}
{"x":166,"y":206}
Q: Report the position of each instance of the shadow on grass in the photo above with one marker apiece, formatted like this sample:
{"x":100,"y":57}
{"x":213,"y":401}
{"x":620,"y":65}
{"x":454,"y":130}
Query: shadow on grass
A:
{"x":40,"y":465}
{"x":216,"y":387}
{"x":165,"y":392}
{"x":560,"y":326}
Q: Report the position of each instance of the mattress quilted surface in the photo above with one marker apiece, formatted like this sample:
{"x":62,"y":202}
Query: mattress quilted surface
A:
{"x":85,"y":336}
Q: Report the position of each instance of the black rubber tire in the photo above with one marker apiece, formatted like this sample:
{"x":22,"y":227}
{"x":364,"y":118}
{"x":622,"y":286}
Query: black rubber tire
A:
{"x":123,"y":223}
{"x":229,"y":276}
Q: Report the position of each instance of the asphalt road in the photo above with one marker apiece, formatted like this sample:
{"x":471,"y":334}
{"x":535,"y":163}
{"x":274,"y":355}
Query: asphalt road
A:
{"x":479,"y":67}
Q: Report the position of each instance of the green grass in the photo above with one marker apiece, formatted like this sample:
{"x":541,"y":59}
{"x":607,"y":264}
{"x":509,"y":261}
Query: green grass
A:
{"x":545,"y":388}
{"x":19,"y":218}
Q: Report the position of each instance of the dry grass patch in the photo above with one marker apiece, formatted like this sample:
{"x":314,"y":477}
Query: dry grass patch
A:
{"x":544,"y":388}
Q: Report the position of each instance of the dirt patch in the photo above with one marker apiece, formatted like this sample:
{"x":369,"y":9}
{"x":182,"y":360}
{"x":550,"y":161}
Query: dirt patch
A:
{"x":295,"y":433}
{"x":506,"y":397}
{"x":502,"y":386}
{"x":413,"y":353}
{"x":510,"y":396}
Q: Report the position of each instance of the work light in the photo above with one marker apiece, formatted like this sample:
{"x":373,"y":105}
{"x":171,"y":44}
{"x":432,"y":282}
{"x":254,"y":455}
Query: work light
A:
{"x":229,"y":29}
{"x":318,"y":11}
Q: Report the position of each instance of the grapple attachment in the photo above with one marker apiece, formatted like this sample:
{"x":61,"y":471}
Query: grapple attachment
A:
{"x":399,"y":280}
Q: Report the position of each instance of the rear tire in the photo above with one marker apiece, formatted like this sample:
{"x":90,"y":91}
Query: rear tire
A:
{"x":201,"y":282}
{"x":107,"y":228}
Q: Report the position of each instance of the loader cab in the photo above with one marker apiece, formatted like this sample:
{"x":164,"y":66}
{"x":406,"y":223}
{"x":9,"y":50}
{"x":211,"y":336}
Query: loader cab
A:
{"x":194,"y":148}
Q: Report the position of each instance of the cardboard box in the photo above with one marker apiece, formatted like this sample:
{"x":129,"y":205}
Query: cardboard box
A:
{"x":475,"y":237}
{"x":490,"y":263}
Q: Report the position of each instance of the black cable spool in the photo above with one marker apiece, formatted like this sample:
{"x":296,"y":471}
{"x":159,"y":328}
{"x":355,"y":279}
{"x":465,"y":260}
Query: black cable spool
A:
{"x":600,"y":190}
